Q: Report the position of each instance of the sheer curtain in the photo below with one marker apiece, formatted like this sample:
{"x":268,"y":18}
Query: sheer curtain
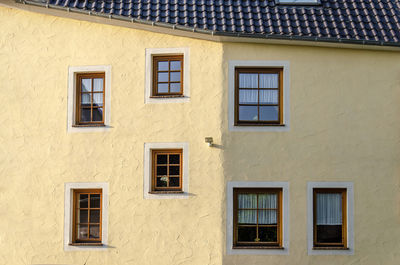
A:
{"x":265,"y":201}
{"x":268,"y":81}
{"x":329,"y":209}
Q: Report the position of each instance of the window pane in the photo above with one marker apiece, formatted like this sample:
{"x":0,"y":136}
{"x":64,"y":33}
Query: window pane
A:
{"x":175,"y":77}
{"x":94,"y":216}
{"x":267,"y":217}
{"x":329,"y":208}
{"x":86,"y":100}
{"x":161,"y":170}
{"x":161,"y":159}
{"x":82,"y":232}
{"x":247,"y":234}
{"x":162,"y":182}
{"x":85,"y":115}
{"x":95,"y":201}
{"x":248,"y":80}
{"x":174,"y":159}
{"x":174,"y":182}
{"x":162,"y":77}
{"x":86,"y":85}
{"x":248,"y":96}
{"x":247,"y":216}
{"x":269,"y":80}
{"x":174,"y":170}
{"x":98,"y":84}
{"x":98,"y":99}
{"x":329,"y":233}
{"x":268,"y":234}
{"x":269,"y":97}
{"x":82,"y":216}
{"x":162,"y":88}
{"x":175,"y":87}
{"x":94,"y":231}
{"x":269,"y":113}
{"x":83,"y":200}
{"x":247,"y":201}
{"x":98,"y":114}
{"x":267,"y":201}
{"x":163,"y":66}
{"x":248,"y":113}
{"x":175,"y":65}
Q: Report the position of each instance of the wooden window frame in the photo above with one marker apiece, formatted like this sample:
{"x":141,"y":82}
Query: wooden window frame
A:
{"x":154,"y":153}
{"x":158,"y":58}
{"x":343,"y":244}
{"x":88,"y":241}
{"x":258,"y":70}
{"x":92,"y":76}
{"x":257,"y":245}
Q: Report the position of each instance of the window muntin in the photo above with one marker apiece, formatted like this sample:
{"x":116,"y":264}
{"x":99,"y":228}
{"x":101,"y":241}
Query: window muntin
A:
{"x":87,"y":216}
{"x":167,"y":75}
{"x":167,"y":170}
{"x":90,"y":99}
{"x":330,"y":228}
{"x":258,"y":96}
{"x":257,"y":215}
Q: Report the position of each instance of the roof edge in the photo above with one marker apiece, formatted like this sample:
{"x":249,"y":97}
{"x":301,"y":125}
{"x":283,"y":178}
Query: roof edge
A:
{"x":166,"y":28}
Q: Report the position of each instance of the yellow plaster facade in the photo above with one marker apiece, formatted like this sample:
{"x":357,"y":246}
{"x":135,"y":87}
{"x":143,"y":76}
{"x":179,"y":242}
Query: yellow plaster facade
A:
{"x":344,"y":126}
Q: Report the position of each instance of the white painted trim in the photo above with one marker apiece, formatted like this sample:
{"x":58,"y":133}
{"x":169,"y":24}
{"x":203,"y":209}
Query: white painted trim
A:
{"x":72,"y":71}
{"x":231,"y":95}
{"x":68,"y":213}
{"x":285,"y":218}
{"x":149,"y":76}
{"x":147,"y":170}
{"x":350,"y":217}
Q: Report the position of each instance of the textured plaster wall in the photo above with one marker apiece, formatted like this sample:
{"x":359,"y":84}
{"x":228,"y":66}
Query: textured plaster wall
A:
{"x":37,"y":155}
{"x":344,"y":127}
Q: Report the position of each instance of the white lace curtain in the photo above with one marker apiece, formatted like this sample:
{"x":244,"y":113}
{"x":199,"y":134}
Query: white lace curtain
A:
{"x":265,"y":201}
{"x":329,"y":209}
{"x":251,"y":80}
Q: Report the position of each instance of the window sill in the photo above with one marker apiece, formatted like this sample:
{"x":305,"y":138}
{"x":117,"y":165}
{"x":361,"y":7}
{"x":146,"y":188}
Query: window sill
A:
{"x":166,"y":192}
{"x":88,"y":125}
{"x":259,"y":125}
{"x":86,"y":244}
{"x":258,"y":247}
{"x":168,"y":96}
{"x":330,"y":248}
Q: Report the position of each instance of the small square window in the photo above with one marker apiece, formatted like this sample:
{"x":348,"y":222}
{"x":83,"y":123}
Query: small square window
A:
{"x":87,"y":217}
{"x":330,"y":229}
{"x":167,"y":76}
{"x":90,"y":99}
{"x":167,"y":170}
{"x":257,"y":218}
{"x":258,"y":96}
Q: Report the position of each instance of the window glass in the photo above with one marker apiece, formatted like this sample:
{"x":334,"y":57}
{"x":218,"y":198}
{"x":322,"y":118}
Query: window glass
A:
{"x":259,"y":96}
{"x":167,"y":75}
{"x":167,"y":170}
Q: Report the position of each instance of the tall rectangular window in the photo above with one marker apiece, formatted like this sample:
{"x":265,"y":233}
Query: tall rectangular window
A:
{"x":329,"y":218}
{"x":90,"y":99}
{"x":167,"y":75}
{"x":257,"y":217}
{"x":167,"y":170}
{"x":87,"y":221}
{"x":258,"y":96}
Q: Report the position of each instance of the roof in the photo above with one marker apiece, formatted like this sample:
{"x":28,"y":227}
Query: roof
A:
{"x":373,"y":22}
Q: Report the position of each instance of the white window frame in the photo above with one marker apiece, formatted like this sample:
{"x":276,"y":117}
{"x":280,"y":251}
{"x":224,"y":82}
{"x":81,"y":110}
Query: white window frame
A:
{"x":69,"y":209}
{"x":147,"y":174}
{"x":231,"y":95}
{"x":72,"y":73}
{"x":350,"y":217}
{"x":285,"y":218}
{"x":150,"y":52}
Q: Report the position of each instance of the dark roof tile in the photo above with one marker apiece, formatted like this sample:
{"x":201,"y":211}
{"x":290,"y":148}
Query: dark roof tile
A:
{"x":363,"y":20}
